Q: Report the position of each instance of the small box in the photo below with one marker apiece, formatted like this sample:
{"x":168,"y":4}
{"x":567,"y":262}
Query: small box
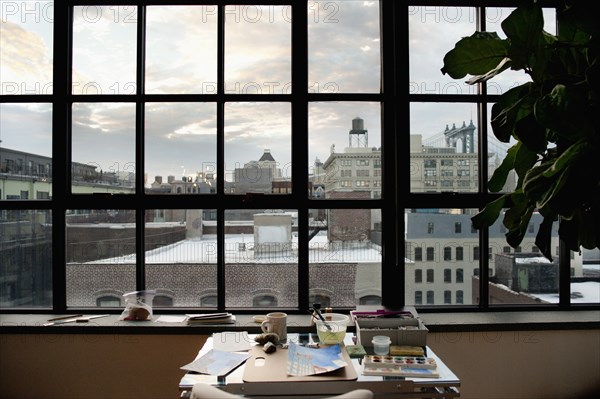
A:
{"x":408,"y":330}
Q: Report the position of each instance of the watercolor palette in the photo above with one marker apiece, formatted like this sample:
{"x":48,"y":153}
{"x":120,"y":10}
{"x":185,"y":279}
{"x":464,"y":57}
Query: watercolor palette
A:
{"x":417,"y":362}
{"x":398,"y":371}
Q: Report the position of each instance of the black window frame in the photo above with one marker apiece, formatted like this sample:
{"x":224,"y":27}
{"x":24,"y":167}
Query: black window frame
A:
{"x":396,"y":195}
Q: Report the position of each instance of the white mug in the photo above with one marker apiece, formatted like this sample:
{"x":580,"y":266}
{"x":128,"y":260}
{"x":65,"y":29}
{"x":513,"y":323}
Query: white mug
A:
{"x":276,"y":322}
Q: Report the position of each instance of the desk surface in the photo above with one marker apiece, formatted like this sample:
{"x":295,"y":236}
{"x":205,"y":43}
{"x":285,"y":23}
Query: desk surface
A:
{"x":446,"y":386}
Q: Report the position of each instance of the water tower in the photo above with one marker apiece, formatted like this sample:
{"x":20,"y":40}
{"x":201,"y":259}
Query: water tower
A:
{"x":358,"y":136}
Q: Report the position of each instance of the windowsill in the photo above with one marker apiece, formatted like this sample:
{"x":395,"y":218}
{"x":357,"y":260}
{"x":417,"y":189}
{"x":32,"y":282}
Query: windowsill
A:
{"x":435,"y":322}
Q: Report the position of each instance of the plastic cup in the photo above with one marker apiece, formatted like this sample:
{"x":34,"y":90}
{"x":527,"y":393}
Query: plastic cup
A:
{"x":333,"y":329}
{"x":381,"y":344}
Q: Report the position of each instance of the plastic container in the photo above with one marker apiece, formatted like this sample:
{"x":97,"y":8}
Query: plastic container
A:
{"x":381,"y":344}
{"x":333,"y":329}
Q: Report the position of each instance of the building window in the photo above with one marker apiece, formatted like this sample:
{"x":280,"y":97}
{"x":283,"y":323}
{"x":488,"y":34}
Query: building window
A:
{"x":418,"y":254}
{"x":447,"y":297}
{"x":418,"y":276}
{"x":447,"y":275}
{"x":430,"y":254}
{"x":430,"y":297}
{"x":457,"y":227}
{"x":447,"y":253}
{"x":418,"y":297}
{"x":185,"y":180}
{"x":429,"y":275}
{"x":459,"y":253}
{"x":262,"y":301}
{"x":459,"y":297}
{"x":370,"y":300}
{"x":459,"y":275}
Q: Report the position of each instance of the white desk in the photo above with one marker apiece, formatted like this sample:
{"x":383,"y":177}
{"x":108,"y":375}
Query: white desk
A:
{"x":446,"y":386}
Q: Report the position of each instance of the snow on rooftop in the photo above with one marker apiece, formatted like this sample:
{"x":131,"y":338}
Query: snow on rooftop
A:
{"x":535,"y":259}
{"x":586,"y":292}
{"x":239,"y":248}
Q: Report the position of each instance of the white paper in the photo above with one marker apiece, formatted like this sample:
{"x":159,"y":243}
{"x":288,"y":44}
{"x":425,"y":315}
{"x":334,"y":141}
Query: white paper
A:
{"x":171,"y":319}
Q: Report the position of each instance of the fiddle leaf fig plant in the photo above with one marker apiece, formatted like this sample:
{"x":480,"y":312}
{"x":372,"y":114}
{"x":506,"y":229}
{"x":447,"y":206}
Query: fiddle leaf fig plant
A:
{"x":553,"y":120}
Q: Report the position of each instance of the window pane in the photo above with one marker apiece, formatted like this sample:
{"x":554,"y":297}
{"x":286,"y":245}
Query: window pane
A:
{"x":433,"y":32}
{"x":522,"y":275}
{"x":345,"y":255}
{"x":100,"y":250}
{"x":25,"y":151}
{"x":346,"y":150}
{"x":104,"y":49}
{"x":103,"y":148}
{"x":443,"y":147}
{"x":26,"y":253}
{"x":258,"y":49}
{"x":26,"y":47}
{"x":438,"y":271}
{"x":181,"y":256}
{"x":181,"y":145}
{"x":258,"y":148}
{"x":188,"y":65}
{"x":261,"y":259}
{"x":344,"y":46}
{"x":585,"y":270}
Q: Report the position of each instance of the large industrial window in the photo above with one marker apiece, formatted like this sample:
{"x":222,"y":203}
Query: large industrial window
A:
{"x":231,"y":155}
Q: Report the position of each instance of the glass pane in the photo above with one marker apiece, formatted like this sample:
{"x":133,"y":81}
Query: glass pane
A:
{"x":100,"y":250}
{"x":104,"y":49}
{"x":181,"y":256}
{"x":103,"y":148}
{"x":25,"y":151}
{"x":433,"y":32}
{"x":344,"y":46}
{"x":261,"y":258}
{"x":345,"y":257}
{"x":443,"y":147}
{"x":441,"y":256}
{"x":26,"y":253}
{"x":585,"y":270}
{"x":188,"y":65}
{"x":258,"y":49}
{"x":26,"y":47}
{"x":181,"y":145}
{"x":509,"y":78}
{"x":346,"y":150}
{"x":522,"y":275}
{"x":258,"y":148}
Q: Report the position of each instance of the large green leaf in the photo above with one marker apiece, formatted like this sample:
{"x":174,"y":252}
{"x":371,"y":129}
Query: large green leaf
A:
{"x":565,"y":111}
{"x":543,"y":239}
{"x":488,"y":215}
{"x":506,"y":111}
{"x":524,"y":29}
{"x":475,"y":55}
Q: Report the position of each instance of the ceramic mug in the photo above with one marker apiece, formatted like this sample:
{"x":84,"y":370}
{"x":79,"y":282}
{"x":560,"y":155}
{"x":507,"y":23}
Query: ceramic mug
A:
{"x":276,"y":322}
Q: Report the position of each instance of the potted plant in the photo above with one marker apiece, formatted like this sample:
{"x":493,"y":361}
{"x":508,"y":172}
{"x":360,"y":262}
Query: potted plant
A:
{"x":554,"y":120}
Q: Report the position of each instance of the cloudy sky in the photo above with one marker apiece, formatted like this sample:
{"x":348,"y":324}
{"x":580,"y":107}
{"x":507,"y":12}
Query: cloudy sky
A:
{"x":181,"y":59}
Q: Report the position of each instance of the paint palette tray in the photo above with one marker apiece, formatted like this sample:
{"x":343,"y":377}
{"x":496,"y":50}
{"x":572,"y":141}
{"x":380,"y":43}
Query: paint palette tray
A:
{"x":418,"y":362}
{"x":400,"y":366}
